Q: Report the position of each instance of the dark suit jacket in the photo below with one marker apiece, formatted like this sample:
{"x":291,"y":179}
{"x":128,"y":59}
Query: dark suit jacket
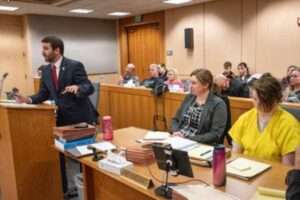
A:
{"x":236,"y":89}
{"x":213,"y":119}
{"x":71,"y":108}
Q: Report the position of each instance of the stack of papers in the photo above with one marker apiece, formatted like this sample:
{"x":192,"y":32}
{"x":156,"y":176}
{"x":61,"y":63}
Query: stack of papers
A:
{"x":83,"y":150}
{"x":199,"y":192}
{"x":245,"y":169}
{"x":181,"y":143}
{"x":156,"y":135}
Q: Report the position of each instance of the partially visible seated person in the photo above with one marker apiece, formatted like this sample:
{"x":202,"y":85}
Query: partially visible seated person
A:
{"x":285,"y":81}
{"x":202,"y":116}
{"x":231,"y":87}
{"x":129,"y":77}
{"x":293,"y":180}
{"x":228,"y":69}
{"x":266,"y":131}
{"x":174,"y":84}
{"x":294,"y":95}
{"x":154,"y":77}
{"x":40,"y":71}
{"x":163,"y":72}
{"x":243,"y":72}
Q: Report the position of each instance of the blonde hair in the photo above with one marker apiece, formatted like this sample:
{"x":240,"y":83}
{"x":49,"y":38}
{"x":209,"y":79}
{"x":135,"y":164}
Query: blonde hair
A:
{"x":175,"y":71}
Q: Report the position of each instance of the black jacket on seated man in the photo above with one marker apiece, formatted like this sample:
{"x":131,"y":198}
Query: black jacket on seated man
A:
{"x":71,"y":108}
{"x":236,"y":89}
{"x":152,"y":82}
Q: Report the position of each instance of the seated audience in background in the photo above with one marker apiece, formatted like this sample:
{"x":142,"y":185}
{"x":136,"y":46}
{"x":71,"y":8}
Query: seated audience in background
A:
{"x":286,"y":80}
{"x":243,"y":72}
{"x":202,"y":116}
{"x":293,"y":180}
{"x":228,"y":69}
{"x":129,"y":77}
{"x":154,"y":77}
{"x":13,"y":94}
{"x":266,"y":131}
{"x":294,"y":95}
{"x":231,"y":87}
{"x":174,"y":84}
{"x":163,"y":72}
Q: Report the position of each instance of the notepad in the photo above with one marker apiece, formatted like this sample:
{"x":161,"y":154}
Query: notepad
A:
{"x":263,"y":193}
{"x":202,"y":152}
{"x":245,"y":168}
{"x":156,"y":135}
{"x":201,"y":192}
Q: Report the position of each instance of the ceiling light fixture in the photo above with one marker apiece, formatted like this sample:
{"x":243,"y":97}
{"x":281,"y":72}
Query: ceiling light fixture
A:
{"x":8,"y":8}
{"x":177,"y":1}
{"x":81,"y":11}
{"x":119,"y":13}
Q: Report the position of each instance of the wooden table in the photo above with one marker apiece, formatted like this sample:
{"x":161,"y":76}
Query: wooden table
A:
{"x":29,"y":166}
{"x":100,"y":184}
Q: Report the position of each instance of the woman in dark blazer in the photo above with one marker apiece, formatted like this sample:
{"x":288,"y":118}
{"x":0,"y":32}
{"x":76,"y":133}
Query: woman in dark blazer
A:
{"x":202,"y":116}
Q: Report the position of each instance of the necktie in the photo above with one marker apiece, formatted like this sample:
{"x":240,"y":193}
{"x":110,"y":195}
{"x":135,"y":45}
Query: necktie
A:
{"x":54,"y":77}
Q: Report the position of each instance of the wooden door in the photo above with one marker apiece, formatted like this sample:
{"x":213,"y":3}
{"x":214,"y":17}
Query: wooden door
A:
{"x":144,"y":47}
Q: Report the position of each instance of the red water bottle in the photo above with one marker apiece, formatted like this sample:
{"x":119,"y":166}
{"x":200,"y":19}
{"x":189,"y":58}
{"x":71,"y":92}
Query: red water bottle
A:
{"x":219,"y":166}
{"x":107,"y":128}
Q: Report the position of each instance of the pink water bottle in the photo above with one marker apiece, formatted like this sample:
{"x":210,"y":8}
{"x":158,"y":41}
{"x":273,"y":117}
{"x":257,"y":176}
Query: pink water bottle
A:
{"x":219,"y":166}
{"x":107,"y":128}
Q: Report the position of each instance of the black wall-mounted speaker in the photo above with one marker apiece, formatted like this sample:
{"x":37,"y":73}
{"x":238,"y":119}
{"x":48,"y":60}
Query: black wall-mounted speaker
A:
{"x":189,"y":38}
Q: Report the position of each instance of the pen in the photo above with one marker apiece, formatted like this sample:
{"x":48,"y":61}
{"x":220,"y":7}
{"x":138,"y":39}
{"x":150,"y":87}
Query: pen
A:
{"x":206,"y":152}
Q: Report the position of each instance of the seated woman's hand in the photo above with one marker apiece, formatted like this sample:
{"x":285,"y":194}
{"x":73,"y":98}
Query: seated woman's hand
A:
{"x":178,"y":134}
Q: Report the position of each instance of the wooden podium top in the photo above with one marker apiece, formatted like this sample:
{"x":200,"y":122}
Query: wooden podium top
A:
{"x":11,"y":105}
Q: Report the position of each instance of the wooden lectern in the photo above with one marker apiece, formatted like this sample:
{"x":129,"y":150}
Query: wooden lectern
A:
{"x":29,"y":165}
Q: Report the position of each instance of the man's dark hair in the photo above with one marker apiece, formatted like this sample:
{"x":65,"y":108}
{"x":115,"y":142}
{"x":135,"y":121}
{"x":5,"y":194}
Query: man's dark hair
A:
{"x":227,"y":65}
{"x":55,"y":43}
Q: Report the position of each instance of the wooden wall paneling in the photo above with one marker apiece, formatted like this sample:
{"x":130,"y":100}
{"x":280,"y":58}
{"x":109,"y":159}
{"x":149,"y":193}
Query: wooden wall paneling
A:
{"x":172,"y":104}
{"x":222,"y":34}
{"x":278,"y":37}
{"x":13,"y":53}
{"x":185,"y":60}
{"x":249,"y":33}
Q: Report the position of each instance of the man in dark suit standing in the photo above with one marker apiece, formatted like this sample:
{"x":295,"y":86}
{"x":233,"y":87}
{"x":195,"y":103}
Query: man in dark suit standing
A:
{"x":66,"y":83}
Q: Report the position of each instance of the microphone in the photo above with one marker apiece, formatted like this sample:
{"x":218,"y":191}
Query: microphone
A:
{"x":4,"y":75}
